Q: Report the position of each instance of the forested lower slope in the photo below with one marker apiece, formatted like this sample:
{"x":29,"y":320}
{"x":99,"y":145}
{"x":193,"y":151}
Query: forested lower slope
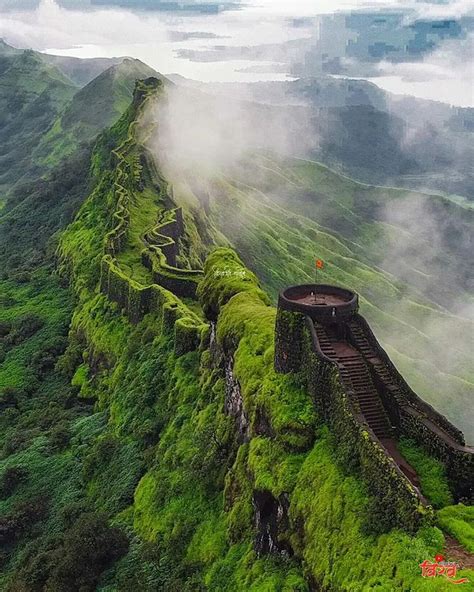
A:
{"x":147,"y":442}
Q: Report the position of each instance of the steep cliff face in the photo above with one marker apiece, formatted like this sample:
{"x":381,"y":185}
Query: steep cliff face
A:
{"x":187,"y":463}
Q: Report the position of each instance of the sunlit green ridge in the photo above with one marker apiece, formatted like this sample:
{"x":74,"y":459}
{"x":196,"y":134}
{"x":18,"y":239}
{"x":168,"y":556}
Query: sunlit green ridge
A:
{"x":141,"y":450}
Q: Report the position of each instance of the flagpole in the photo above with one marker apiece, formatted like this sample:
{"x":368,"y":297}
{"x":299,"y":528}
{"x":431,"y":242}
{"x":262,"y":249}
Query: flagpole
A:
{"x":318,"y":265}
{"x":315,"y":279}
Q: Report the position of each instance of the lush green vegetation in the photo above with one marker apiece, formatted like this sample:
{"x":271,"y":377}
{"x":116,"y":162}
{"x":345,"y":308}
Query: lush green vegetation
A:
{"x":458,"y":521}
{"x":123,"y":464}
{"x":46,"y":118}
{"x":109,"y":94}
{"x":32,"y":93}
{"x":47,"y":432}
{"x":431,"y":472}
{"x":299,"y":210}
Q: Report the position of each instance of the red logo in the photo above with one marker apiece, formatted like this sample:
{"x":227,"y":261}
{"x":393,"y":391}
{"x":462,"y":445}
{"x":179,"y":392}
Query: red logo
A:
{"x":440,"y":567}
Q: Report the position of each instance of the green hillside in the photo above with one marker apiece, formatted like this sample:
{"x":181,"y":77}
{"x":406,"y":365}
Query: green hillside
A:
{"x":297,"y":211}
{"x":79,"y":70}
{"x":125,"y":463}
{"x":94,"y":107}
{"x":31,"y":95}
{"x":47,"y":160}
{"x":46,"y":117}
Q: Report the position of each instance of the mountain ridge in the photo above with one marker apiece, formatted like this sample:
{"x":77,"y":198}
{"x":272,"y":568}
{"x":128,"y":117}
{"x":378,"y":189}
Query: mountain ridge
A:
{"x":165,"y":439}
{"x":66,"y":116}
{"x":95,"y":106}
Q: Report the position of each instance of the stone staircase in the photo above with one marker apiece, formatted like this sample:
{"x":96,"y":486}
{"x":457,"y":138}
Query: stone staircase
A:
{"x":325,"y":343}
{"x":356,"y":378}
{"x":361,"y":341}
{"x":367,"y":350}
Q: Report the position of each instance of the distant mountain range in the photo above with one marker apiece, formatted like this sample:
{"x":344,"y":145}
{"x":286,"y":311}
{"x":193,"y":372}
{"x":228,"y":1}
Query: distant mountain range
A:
{"x":50,"y":105}
{"x":356,"y":127}
{"x":372,"y":135}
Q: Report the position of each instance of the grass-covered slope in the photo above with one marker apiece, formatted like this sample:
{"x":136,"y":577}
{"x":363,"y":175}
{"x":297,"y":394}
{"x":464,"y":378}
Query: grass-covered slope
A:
{"x":81,"y":71}
{"x":29,"y":231}
{"x":407,"y":255}
{"x":94,"y":107}
{"x":31,"y":95}
{"x":46,"y":118}
{"x":47,"y":155}
{"x":140,"y":460}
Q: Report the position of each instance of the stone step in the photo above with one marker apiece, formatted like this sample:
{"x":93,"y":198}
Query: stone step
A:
{"x":357,"y":378}
{"x":374,"y":417}
{"x":368,"y":405}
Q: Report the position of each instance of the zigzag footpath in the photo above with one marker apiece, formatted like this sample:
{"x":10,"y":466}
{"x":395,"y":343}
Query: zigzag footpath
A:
{"x":134,"y":298}
{"x":240,"y":485}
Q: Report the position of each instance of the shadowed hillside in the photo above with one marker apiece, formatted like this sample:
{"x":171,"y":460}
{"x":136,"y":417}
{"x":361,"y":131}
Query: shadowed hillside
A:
{"x":94,"y":107}
{"x":369,"y":134}
{"x":31,"y":95}
{"x":46,"y":116}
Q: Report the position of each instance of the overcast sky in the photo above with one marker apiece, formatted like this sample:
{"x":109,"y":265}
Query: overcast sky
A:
{"x":159,"y":39}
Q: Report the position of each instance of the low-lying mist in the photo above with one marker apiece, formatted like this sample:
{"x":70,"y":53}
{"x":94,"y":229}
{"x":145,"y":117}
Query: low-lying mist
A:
{"x":206,"y":133}
{"x":422,"y":240}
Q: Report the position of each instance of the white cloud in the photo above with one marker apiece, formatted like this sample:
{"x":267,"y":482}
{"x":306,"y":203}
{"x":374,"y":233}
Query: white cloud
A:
{"x":150,"y":36}
{"x":453,"y":9}
{"x":208,"y":133}
{"x":445,"y":75}
{"x":53,"y":26}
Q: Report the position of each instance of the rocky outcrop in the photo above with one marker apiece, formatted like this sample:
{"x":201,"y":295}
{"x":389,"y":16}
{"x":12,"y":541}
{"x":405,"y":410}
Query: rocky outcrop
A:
{"x":234,"y":405}
{"x":271,"y":520}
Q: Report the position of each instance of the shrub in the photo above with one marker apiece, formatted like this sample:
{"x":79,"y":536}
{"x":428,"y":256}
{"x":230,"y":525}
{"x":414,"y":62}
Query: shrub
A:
{"x":59,"y":436}
{"x":5,"y":327}
{"x":458,"y":521}
{"x":11,"y":396}
{"x":76,"y":562}
{"x":23,"y":516}
{"x":99,"y":456}
{"x":431,"y":472}
{"x":3,"y":353}
{"x":28,"y":324}
{"x":11,"y":478}
{"x":24,"y":327}
{"x":45,"y":358}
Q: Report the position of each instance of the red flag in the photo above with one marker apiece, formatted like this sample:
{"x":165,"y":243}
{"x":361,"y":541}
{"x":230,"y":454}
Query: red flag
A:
{"x":319,"y":263}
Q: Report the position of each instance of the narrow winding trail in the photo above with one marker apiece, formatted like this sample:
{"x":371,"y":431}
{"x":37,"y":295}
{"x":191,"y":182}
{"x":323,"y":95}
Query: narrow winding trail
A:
{"x":456,"y":552}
